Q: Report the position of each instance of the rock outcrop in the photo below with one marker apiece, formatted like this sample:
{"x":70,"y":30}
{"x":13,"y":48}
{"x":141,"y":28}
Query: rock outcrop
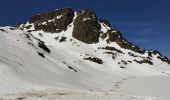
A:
{"x":86,"y":27}
{"x":53,"y":21}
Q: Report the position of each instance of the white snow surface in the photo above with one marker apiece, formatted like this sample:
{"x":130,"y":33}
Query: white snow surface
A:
{"x":25,"y":75}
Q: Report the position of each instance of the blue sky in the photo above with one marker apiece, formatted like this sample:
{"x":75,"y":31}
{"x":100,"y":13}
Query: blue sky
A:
{"x":143,"y":22}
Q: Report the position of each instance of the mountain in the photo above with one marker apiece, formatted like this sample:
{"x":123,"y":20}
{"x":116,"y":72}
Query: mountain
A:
{"x":63,"y":53}
{"x":88,"y":29}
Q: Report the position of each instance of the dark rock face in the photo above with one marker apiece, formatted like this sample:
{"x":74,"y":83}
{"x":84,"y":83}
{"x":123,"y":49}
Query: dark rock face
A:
{"x":116,"y":36}
{"x":71,"y":68}
{"x":55,"y":21}
{"x":43,"y":46}
{"x":86,"y":27}
{"x":41,"y":54}
{"x":63,"y":39}
{"x":164,"y":59}
{"x":3,"y":30}
{"x":94,"y":59}
{"x":143,"y":61}
{"x":111,"y":49}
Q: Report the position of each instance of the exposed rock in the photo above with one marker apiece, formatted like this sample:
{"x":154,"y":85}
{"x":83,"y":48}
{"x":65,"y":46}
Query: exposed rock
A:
{"x":11,"y":28}
{"x":103,"y":36}
{"x":116,"y":36}
{"x":28,"y":27}
{"x":3,"y":30}
{"x":43,"y":46}
{"x":71,"y":68}
{"x":109,"y":53}
{"x":143,"y":61}
{"x":41,"y":54}
{"x":52,"y":21}
{"x":63,"y":39}
{"x":164,"y":59}
{"x":155,"y":52}
{"x":124,"y":62}
{"x":129,"y":61}
{"x":149,"y":54}
{"x":86,"y":27}
{"x":40,"y":34}
{"x":94,"y":59}
{"x":122,"y":67}
{"x":111,"y":49}
{"x":132,"y":54}
{"x":27,"y":36}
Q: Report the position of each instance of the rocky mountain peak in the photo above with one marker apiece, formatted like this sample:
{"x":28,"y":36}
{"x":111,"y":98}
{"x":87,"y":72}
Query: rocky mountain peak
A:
{"x":88,"y":13}
{"x":51,"y":21}
{"x":86,"y":27}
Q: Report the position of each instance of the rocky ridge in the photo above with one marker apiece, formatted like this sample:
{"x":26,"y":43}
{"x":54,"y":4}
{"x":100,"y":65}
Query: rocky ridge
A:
{"x":87,"y":29}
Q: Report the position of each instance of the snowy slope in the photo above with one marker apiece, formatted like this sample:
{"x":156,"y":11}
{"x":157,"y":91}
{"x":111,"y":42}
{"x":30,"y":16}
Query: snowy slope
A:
{"x":38,"y":64}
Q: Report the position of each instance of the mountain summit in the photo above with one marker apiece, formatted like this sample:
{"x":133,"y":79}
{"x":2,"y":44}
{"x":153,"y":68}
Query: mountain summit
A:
{"x":87,"y":28}
{"x":72,"y":50}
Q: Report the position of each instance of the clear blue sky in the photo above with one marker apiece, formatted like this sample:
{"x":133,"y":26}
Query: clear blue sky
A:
{"x":143,"y":22}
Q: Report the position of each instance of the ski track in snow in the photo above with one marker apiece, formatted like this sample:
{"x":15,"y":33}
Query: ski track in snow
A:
{"x":117,"y":84}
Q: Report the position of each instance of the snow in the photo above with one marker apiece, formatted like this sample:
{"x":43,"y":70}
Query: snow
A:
{"x":44,"y":23}
{"x":85,"y":19}
{"x":52,"y":20}
{"x":71,"y":95}
{"x":58,"y":17}
{"x":104,"y":28}
{"x":156,"y":86}
{"x":114,"y":31}
{"x":28,"y":24}
{"x":23,"y":73}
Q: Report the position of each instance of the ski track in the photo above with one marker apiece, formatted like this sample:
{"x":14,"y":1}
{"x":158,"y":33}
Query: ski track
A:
{"x":117,"y":85}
